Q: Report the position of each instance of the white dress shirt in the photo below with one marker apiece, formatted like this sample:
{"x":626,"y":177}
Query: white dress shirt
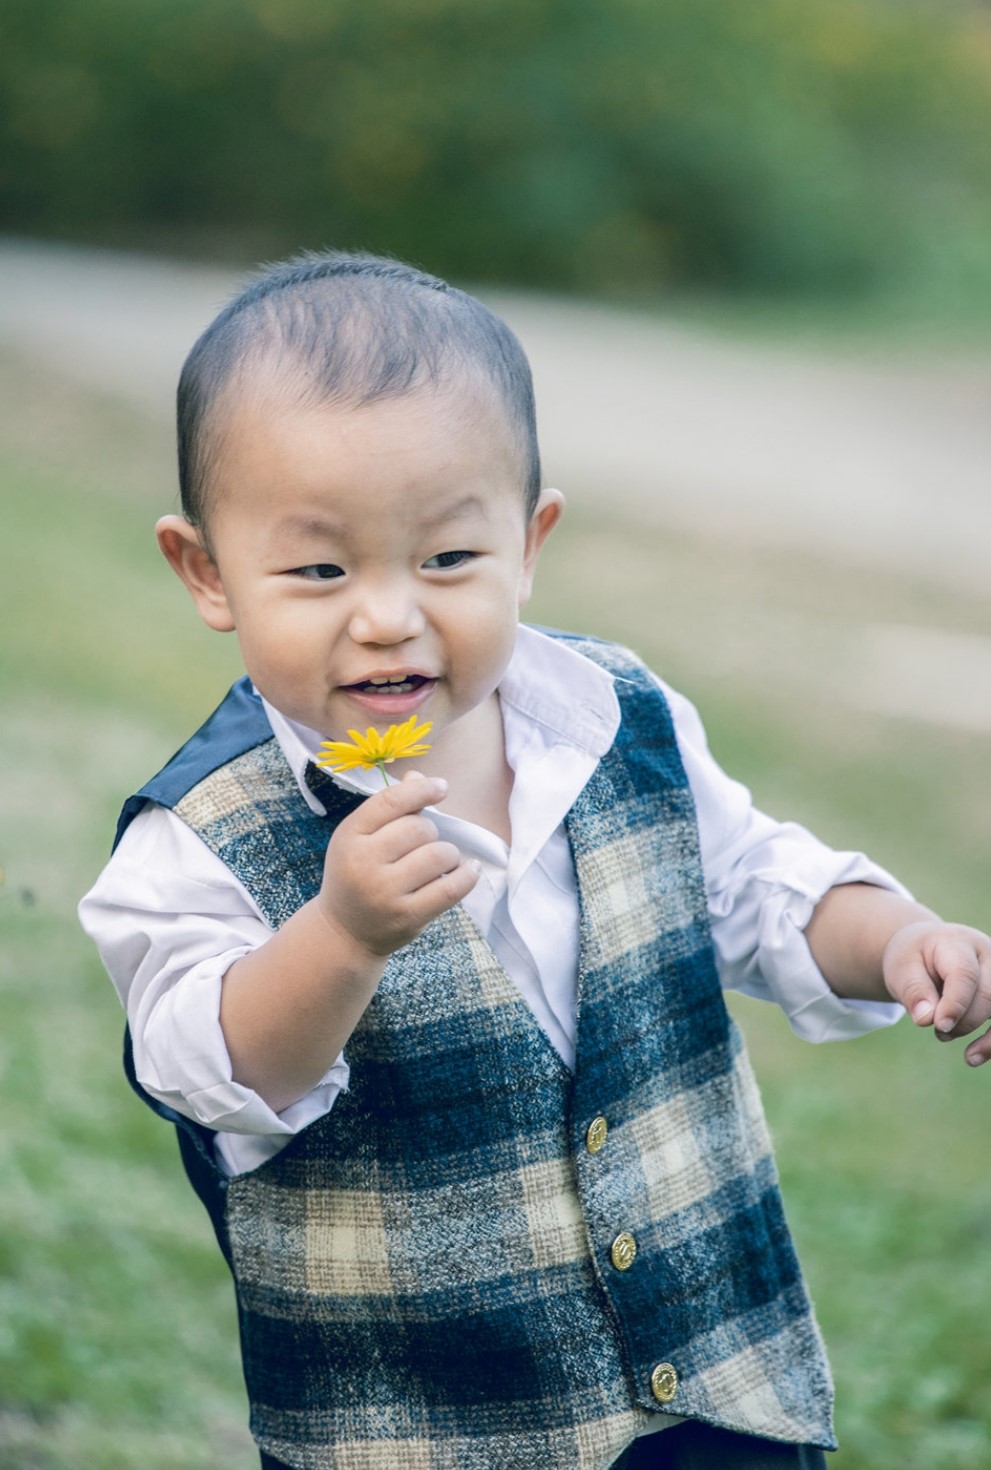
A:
{"x":169,"y":919}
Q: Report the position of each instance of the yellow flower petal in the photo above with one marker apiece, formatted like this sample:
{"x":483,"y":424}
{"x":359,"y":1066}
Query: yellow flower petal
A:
{"x":374,"y":749}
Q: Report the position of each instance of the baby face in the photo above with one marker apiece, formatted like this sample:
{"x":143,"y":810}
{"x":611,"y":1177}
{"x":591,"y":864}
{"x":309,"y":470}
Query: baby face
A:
{"x":372,"y":560}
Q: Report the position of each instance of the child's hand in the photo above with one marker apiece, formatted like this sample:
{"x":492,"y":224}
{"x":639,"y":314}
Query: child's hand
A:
{"x":386,"y":874}
{"x":941,"y":974}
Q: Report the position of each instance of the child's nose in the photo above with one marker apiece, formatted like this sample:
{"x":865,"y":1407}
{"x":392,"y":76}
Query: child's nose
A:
{"x":386,"y":616}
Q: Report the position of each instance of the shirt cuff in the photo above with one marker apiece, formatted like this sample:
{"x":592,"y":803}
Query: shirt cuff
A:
{"x":784,"y":971}
{"x":181,"y":1058}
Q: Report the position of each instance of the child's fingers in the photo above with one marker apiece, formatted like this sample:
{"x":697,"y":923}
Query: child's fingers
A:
{"x":979,"y":1051}
{"x":973,"y":1016}
{"x":426,"y":883}
{"x":962,"y":961}
{"x":424,"y":865}
{"x":976,"y":1014}
{"x":445,"y":890}
{"x":916,"y":990}
{"x":401,"y":799}
{"x":908,"y":975}
{"x":405,"y":834}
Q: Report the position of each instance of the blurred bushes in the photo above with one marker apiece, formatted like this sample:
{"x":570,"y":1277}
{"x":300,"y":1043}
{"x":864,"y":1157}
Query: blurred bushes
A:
{"x":806,"y":145}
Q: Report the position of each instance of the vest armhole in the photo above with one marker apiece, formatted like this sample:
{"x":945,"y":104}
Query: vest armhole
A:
{"x":196,"y":1147}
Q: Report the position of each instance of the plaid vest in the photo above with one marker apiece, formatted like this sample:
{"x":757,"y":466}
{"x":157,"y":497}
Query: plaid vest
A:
{"x":478,"y":1259}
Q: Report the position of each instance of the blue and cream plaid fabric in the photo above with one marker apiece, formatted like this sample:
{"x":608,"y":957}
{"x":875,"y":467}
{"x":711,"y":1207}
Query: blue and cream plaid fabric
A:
{"x":425,"y":1276}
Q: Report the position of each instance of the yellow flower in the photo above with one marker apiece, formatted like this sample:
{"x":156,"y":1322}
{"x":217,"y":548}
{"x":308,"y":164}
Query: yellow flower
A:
{"x":372,"y":749}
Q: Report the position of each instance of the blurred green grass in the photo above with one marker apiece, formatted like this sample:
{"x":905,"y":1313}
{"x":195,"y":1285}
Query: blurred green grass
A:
{"x":117,"y":1330}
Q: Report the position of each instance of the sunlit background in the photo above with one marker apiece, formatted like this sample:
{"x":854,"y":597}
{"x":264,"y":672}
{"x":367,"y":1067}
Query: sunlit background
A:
{"x":748,"y":247}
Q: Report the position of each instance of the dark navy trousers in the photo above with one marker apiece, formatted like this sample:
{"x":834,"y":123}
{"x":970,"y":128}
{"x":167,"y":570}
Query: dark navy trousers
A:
{"x":695,"y":1446}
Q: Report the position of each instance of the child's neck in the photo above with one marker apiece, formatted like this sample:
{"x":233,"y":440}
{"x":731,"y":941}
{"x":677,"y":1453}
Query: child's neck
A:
{"x":471,"y":757}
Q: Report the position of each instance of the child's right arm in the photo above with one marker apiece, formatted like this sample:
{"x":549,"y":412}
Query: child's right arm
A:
{"x":288,"y":1007}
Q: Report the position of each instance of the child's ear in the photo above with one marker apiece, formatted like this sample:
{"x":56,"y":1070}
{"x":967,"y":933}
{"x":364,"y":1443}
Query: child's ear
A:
{"x":182,"y":546}
{"x":546,"y":515}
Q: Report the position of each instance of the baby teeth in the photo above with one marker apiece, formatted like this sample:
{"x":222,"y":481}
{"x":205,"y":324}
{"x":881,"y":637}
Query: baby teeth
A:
{"x":391,"y":686}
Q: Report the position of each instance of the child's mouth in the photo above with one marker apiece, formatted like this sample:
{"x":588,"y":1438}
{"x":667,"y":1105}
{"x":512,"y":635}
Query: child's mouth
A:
{"x":393,"y":684}
{"x":391,"y":697}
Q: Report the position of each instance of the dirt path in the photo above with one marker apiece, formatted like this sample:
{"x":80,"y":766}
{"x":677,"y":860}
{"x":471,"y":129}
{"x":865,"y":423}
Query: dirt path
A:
{"x":884,"y":461}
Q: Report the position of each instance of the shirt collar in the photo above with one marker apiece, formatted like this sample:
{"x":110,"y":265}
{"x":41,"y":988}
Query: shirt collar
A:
{"x":547,"y":683}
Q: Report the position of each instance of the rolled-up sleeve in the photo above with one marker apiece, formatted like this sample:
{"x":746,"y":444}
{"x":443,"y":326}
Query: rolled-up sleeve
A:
{"x":763,"y":880}
{"x":169,"y":921}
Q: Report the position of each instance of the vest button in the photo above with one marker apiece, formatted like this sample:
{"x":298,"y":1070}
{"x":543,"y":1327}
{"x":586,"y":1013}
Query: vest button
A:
{"x":664,"y":1383}
{"x":596,"y":1135}
{"x":624,"y":1251}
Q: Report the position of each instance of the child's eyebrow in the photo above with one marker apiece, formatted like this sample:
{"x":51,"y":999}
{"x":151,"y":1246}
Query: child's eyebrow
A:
{"x":300,"y":525}
{"x":294,"y":524}
{"x":469,"y":505}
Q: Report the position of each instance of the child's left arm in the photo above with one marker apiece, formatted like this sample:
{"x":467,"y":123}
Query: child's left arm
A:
{"x":871,"y":944}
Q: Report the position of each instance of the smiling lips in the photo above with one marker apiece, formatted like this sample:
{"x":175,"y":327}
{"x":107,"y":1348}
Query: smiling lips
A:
{"x":391,"y":694}
{"x":389,"y":684}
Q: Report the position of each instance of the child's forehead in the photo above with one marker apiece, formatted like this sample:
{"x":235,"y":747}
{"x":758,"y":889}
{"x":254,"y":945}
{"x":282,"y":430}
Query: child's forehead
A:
{"x":276,"y":431}
{"x":277,"y":399}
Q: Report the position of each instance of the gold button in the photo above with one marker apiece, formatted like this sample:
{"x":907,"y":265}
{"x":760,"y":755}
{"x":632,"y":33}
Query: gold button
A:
{"x":664,"y":1383}
{"x":624,"y":1251}
{"x":596,"y":1135}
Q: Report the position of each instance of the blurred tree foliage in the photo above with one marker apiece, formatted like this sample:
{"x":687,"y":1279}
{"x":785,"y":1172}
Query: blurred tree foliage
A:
{"x":808,"y":145}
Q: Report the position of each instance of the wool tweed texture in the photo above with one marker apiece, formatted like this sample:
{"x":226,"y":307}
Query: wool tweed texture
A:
{"x":424,"y":1276}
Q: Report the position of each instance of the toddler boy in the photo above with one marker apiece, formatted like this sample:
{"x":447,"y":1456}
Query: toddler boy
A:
{"x":449,"y":1058}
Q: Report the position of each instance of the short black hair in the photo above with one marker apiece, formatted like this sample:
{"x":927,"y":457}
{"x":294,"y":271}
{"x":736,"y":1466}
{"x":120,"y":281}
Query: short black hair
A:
{"x":350,"y":328}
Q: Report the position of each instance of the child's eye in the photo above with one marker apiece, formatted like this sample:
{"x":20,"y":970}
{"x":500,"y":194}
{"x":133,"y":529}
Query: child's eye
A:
{"x":446,"y":559}
{"x":321,"y":571}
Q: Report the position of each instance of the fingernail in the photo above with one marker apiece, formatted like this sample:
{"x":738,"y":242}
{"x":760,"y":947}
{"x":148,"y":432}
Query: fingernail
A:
{"x":922,"y":1010}
{"x":976,"y":1061}
{"x":945,"y":1025}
